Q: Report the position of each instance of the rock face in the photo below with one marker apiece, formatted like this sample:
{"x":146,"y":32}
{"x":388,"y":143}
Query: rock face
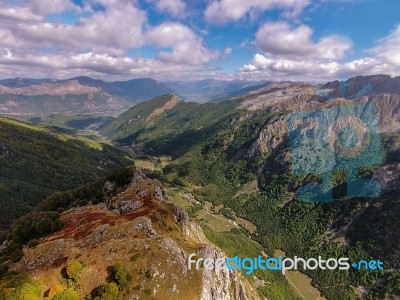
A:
{"x":388,"y":177}
{"x":377,"y":84}
{"x":270,"y":137}
{"x":280,"y":93}
{"x":388,"y":109}
{"x":223,"y":284}
{"x":382,"y":91}
{"x":150,"y":235}
{"x":135,"y":195}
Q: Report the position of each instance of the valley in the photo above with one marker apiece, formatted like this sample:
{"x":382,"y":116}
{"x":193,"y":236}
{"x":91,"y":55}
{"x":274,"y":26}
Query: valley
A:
{"x":227,"y":165}
{"x":199,"y":150}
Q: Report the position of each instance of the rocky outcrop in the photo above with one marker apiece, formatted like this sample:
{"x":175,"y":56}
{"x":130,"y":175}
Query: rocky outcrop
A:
{"x":181,"y":216}
{"x":151,"y":236}
{"x":135,"y":194}
{"x":270,"y":137}
{"x":388,"y":177}
{"x":282,"y":96}
{"x":219,"y":284}
{"x":388,"y":109}
{"x":373,"y":84}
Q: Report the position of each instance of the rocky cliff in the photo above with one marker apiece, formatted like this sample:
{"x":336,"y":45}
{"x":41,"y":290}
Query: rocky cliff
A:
{"x":139,"y":228}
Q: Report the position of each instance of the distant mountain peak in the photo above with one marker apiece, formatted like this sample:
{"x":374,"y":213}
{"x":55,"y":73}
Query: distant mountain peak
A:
{"x":378,"y":84}
{"x":80,"y":94}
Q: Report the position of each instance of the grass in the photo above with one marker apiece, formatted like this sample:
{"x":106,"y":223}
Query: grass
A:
{"x":59,"y":134}
{"x":217,"y":223}
{"x":301,"y":283}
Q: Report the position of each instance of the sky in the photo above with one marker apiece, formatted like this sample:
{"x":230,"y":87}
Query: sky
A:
{"x":275,"y":40}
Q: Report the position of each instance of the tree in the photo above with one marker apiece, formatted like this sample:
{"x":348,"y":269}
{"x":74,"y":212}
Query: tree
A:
{"x":108,"y":292}
{"x":74,"y":269}
{"x":120,"y":275}
{"x":29,"y":292}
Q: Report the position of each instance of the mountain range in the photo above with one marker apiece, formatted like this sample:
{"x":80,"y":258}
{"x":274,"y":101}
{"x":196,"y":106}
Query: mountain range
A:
{"x":223,"y":148}
{"x":38,"y":97}
{"x":21,"y":96}
{"x":209,"y":89}
{"x":218,"y":179}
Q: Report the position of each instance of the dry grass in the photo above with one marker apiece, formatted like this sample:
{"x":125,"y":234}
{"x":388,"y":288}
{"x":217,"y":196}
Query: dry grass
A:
{"x":101,"y":238}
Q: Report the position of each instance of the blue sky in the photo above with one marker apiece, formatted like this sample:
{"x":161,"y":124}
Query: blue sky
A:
{"x":306,"y":40}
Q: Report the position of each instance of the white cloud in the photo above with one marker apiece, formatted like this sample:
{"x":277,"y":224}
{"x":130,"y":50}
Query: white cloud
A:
{"x":223,"y":11}
{"x":114,"y":30}
{"x":186,"y":46}
{"x":50,"y":7}
{"x":99,"y":41}
{"x":17,"y":13}
{"x":388,"y":48}
{"x":291,"y":69}
{"x":94,"y":64}
{"x":228,"y":51}
{"x":174,"y":7}
{"x":281,"y":39}
{"x":168,"y":34}
{"x":97,"y":44}
{"x":290,"y":52}
{"x":188,"y":52}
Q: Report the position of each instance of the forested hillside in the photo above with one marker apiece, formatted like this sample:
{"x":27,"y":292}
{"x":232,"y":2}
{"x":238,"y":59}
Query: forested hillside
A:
{"x":222,"y":148}
{"x":36,"y":161}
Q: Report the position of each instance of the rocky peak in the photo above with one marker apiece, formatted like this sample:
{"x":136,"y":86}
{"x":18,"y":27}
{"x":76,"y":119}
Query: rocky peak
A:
{"x":372,"y":84}
{"x":139,"y":227}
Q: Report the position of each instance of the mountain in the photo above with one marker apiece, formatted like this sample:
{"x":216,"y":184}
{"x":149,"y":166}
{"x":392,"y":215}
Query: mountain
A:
{"x":141,"y":88}
{"x":373,"y":84}
{"x":231,"y":166}
{"x":37,"y":161}
{"x":207,"y":90}
{"x":166,"y":122}
{"x":22,"y":82}
{"x":76,"y":95}
{"x":132,"y":238}
{"x":222,"y":149}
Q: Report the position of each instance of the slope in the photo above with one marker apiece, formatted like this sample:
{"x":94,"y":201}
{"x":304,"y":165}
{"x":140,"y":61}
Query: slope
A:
{"x":207,"y":90}
{"x":36,"y":161}
{"x":128,"y":243}
{"x":250,"y":143}
{"x":172,"y":132}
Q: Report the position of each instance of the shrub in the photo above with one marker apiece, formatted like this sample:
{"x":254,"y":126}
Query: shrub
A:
{"x":74,"y":270}
{"x":19,"y":287}
{"x":120,"y":275}
{"x":54,"y":290}
{"x":67,"y":295}
{"x":108,"y":292}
